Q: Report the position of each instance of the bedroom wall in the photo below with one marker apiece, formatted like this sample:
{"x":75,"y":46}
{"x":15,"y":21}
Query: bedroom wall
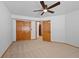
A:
{"x":14,"y":29}
{"x":38,"y":29}
{"x":72,"y":28}
{"x":33,"y":27}
{"x":58,"y":28}
{"x":5,"y":29}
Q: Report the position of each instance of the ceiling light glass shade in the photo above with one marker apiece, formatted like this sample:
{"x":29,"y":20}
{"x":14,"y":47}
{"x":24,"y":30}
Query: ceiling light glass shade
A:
{"x":45,"y":10}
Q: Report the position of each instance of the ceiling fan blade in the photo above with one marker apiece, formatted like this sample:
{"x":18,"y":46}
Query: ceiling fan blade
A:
{"x":54,"y":5}
{"x":50,"y":11}
{"x":42,"y":13}
{"x":37,"y":10}
{"x":43,"y":4}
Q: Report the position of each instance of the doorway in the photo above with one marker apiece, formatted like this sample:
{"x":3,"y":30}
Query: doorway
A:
{"x":39,"y":30}
{"x":44,"y":30}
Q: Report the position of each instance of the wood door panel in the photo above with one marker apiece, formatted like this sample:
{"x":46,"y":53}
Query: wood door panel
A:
{"x":23,"y":30}
{"x":46,"y":26}
{"x":46,"y":31}
{"x":46,"y":36}
{"x":18,"y":36}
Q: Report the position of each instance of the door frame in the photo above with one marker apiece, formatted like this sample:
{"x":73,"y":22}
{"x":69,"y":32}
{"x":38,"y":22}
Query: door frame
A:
{"x":42,"y":28}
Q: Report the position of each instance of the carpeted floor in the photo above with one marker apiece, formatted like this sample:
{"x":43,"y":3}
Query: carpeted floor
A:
{"x":41,"y":49}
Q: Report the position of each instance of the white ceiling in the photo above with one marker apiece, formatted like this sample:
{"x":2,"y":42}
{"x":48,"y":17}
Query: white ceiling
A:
{"x":26,"y":8}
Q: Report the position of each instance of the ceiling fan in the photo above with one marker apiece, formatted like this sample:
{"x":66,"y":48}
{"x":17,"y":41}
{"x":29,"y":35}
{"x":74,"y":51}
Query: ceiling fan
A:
{"x":45,"y":8}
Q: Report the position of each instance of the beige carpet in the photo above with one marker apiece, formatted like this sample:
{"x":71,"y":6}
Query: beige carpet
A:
{"x":40,"y":49}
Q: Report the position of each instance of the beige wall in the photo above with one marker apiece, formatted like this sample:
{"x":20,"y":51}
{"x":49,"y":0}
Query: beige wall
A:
{"x":5,"y":28}
{"x":72,"y":28}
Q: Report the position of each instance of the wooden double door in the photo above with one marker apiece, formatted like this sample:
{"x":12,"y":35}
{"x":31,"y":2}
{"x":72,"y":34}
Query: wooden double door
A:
{"x":23,"y":30}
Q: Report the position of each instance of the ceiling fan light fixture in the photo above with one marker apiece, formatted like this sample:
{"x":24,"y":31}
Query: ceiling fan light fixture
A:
{"x":45,"y":10}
